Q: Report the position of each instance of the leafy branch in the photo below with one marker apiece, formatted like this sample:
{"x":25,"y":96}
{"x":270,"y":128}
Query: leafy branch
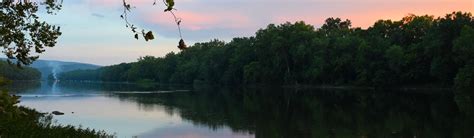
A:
{"x":149,"y":34}
{"x":126,"y":9}
{"x":23,"y":33}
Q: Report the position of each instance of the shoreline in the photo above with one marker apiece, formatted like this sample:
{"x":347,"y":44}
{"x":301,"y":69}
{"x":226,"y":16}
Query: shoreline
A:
{"x":295,"y":86}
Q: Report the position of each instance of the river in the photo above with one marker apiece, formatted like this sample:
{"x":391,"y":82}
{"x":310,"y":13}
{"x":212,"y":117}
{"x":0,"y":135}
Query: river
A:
{"x":150,"y":110}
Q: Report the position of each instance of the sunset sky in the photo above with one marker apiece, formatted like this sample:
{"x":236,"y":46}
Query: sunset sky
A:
{"x":94,"y":33}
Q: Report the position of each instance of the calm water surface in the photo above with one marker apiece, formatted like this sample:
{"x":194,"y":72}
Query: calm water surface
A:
{"x":195,"y":111}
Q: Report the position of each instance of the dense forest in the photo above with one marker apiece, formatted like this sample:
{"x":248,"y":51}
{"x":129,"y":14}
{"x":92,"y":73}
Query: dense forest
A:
{"x":13,"y":72}
{"x":416,"y":50}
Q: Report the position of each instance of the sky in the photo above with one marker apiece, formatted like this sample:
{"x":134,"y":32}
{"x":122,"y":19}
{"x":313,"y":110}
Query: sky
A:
{"x":93,"y":31}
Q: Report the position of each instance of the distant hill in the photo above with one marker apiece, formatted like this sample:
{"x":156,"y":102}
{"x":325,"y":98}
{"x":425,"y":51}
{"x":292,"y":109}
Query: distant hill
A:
{"x":52,"y":67}
{"x":12,"y":72}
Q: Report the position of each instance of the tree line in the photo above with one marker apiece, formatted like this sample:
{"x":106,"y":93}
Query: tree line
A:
{"x":13,"y":72}
{"x":416,"y":50}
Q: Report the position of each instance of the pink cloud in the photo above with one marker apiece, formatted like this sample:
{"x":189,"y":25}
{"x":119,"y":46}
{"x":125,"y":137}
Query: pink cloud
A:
{"x":200,"y":21}
{"x":366,"y":15}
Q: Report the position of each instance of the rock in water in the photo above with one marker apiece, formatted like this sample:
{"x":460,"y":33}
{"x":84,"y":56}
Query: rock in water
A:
{"x":57,"y":113}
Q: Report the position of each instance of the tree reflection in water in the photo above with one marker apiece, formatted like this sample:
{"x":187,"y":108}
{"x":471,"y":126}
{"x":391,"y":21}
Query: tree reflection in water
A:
{"x":285,"y":112}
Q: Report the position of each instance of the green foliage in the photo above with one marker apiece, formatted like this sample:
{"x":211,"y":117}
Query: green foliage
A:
{"x":22,"y":33}
{"x":4,"y":81}
{"x":464,"y":48}
{"x":12,"y":72}
{"x":440,"y":45}
{"x":252,"y":72}
{"x":143,"y":69}
{"x":417,"y":50}
{"x":80,"y":75}
{"x":464,"y":45}
{"x":464,"y":81}
{"x":8,"y":106}
{"x":31,"y":123}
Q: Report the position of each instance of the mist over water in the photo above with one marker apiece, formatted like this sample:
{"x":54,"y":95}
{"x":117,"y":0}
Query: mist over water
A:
{"x":51,"y":69}
{"x":56,"y":68}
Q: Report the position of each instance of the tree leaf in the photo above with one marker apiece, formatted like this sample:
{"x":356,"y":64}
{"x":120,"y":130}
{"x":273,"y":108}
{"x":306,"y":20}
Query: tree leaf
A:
{"x":149,"y":36}
{"x":170,"y":4}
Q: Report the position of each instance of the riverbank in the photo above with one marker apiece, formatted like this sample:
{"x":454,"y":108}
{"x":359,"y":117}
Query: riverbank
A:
{"x":18,"y":121}
{"x":31,"y":123}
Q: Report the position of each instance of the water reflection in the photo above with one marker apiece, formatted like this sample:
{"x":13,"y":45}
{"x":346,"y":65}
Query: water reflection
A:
{"x":268,"y":112}
{"x":161,"y":111}
{"x":98,"y":108}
